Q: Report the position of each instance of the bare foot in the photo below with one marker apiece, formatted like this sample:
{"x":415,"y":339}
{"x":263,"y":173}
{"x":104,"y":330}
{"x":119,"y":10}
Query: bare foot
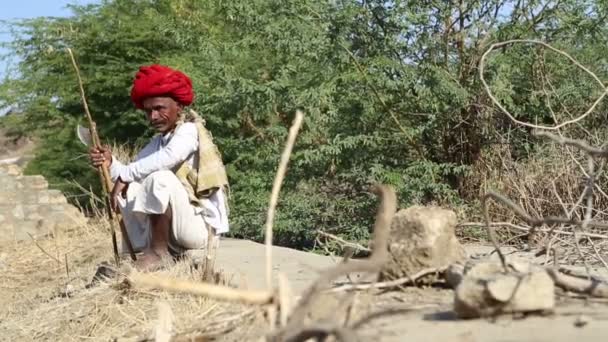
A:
{"x":149,"y":261}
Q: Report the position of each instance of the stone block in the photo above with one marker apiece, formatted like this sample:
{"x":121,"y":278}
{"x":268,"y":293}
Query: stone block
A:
{"x":7,"y":197}
{"x":484,"y":291}
{"x":51,"y":197}
{"x":422,"y":237}
{"x":28,"y":197}
{"x":33,"y":216}
{"x":10,"y":170}
{"x":18,"y":212}
{"x":28,"y":207}
{"x":34,"y":182}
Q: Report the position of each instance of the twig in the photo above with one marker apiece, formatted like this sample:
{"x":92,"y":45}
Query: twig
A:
{"x":392,"y":283}
{"x":202,"y":289}
{"x":506,"y":112}
{"x":580,"y":144}
{"x":295,"y":327}
{"x":163,"y":329}
{"x":489,"y":228}
{"x":285,"y":298}
{"x":536,"y":222}
{"x":210,"y":254}
{"x":597,"y":253}
{"x":344,"y":242}
{"x":42,"y":249}
{"x":67,"y":268}
{"x":590,"y":286}
{"x":526,"y":229}
{"x":274,"y":196}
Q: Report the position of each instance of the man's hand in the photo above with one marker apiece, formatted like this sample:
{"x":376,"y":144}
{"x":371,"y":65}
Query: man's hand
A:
{"x":120,"y":189}
{"x":100,"y":156}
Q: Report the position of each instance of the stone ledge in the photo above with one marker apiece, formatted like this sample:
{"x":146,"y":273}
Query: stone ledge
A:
{"x":27,"y":207}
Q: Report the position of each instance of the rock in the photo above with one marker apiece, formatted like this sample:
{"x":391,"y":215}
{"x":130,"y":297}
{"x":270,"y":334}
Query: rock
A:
{"x":581,"y":321}
{"x":486,"y":289}
{"x":422,"y":237}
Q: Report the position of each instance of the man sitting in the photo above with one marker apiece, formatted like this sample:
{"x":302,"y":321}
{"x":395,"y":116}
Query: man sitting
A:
{"x":174,"y":190}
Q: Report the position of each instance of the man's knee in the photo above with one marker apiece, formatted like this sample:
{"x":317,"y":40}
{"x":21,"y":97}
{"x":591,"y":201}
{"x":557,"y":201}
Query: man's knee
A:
{"x":161,"y":178}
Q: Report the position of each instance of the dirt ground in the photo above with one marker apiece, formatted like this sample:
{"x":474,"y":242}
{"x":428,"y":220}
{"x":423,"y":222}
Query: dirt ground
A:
{"x":44,"y":300}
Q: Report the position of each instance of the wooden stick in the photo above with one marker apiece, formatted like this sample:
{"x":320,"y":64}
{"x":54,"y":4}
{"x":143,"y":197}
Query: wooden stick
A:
{"x":527,"y":229}
{"x":106,"y":180}
{"x":344,"y":242}
{"x":589,"y":286}
{"x":490,"y":229}
{"x":42,"y":249}
{"x":210,"y":255}
{"x":285,"y":298}
{"x":392,"y":283}
{"x":219,"y":292}
{"x":274,"y":196}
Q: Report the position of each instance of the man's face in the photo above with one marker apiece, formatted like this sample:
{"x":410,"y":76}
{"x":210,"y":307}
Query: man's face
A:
{"x":162,"y":113}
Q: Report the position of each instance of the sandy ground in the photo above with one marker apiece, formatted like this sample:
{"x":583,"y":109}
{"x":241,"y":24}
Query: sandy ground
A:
{"x":423,"y":314}
{"x":32,"y":307}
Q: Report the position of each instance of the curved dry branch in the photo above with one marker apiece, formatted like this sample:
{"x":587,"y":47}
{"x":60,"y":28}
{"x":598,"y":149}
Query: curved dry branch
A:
{"x":388,"y":206}
{"x":580,"y":144}
{"x":482,"y":62}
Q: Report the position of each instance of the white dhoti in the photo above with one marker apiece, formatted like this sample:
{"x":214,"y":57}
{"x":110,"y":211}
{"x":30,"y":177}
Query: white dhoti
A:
{"x":161,"y":191}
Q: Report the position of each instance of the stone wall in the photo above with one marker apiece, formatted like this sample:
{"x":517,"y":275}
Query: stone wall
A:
{"x":28,"y":206}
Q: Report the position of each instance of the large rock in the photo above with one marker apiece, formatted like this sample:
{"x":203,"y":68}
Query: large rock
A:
{"x":486,"y":289}
{"x":422,"y":237}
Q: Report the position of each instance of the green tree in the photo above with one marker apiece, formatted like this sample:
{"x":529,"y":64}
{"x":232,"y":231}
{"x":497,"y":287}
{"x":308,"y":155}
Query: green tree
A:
{"x":390,"y":90}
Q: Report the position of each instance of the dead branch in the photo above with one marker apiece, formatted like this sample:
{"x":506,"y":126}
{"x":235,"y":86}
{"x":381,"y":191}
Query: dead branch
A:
{"x":537,"y":222}
{"x":392,"y":283}
{"x":274,"y":196}
{"x":527,"y":229}
{"x":588,"y":286}
{"x":489,"y":228}
{"x":343,"y":242}
{"x":482,"y":64}
{"x":42,"y":249}
{"x":219,"y":292}
{"x":285,"y":298}
{"x":585,"y":285}
{"x":295,"y":328}
{"x":580,"y":144}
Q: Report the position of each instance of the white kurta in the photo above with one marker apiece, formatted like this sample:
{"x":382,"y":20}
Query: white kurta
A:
{"x":151,"y":191}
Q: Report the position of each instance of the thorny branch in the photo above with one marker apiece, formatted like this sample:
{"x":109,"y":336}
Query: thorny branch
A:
{"x":296,"y":329}
{"x":595,"y":156}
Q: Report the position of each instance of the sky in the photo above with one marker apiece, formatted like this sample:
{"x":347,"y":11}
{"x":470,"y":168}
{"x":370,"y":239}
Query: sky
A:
{"x":19,"y":9}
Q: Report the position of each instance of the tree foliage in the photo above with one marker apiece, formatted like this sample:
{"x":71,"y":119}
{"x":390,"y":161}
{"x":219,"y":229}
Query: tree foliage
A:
{"x":390,"y":91}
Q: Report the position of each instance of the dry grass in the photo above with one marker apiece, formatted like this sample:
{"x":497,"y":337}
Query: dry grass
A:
{"x":552,"y":182}
{"x":42,"y":301}
{"x":542,"y":185}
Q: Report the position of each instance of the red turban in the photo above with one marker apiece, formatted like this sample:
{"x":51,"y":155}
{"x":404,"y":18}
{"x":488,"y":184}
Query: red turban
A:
{"x":159,"y":80}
